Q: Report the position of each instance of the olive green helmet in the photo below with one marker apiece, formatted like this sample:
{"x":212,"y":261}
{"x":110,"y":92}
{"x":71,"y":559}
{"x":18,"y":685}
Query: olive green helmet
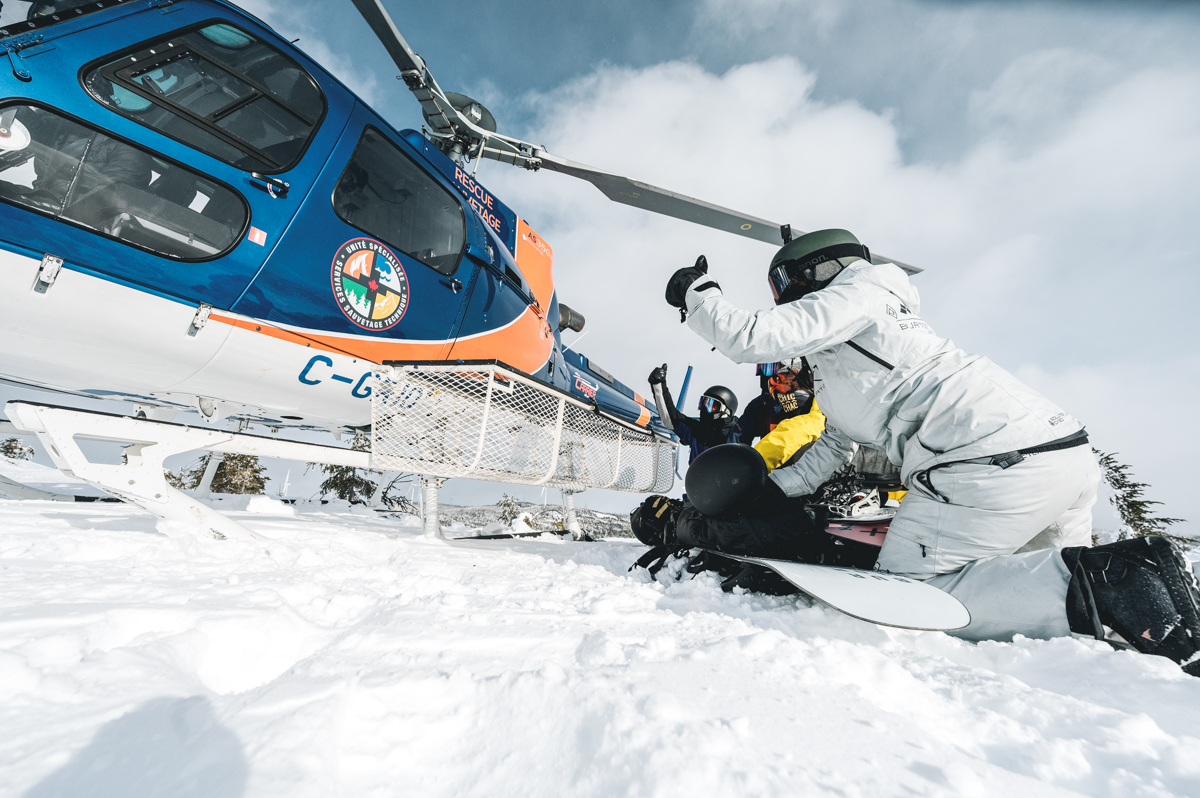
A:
{"x":811,"y":261}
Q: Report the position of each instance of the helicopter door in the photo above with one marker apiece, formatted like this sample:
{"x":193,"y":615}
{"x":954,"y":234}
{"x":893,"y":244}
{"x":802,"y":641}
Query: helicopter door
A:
{"x":373,"y":265}
{"x":372,"y":268}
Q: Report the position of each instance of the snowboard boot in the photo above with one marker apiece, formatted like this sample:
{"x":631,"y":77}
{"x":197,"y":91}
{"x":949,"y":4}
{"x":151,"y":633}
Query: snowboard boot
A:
{"x":653,"y":521}
{"x":1143,"y":590}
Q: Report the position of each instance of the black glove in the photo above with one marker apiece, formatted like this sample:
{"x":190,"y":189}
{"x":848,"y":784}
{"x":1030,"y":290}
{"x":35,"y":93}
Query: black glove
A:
{"x":658,"y":376}
{"x":681,"y":281}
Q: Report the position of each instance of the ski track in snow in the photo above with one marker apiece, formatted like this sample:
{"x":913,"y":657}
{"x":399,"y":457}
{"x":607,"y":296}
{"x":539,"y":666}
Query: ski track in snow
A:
{"x":349,"y":655}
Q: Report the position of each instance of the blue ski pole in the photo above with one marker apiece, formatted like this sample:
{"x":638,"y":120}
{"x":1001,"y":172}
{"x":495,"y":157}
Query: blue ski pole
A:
{"x":683,"y":390}
{"x":687,"y":378}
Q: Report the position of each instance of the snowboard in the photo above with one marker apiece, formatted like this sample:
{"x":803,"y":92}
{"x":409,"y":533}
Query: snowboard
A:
{"x":885,"y":599}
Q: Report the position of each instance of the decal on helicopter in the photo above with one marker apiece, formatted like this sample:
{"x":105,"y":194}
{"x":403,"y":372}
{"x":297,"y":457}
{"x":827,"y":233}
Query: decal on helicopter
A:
{"x":360,"y":390}
{"x":369,"y":284}
{"x":484,"y":203}
{"x":586,"y":388}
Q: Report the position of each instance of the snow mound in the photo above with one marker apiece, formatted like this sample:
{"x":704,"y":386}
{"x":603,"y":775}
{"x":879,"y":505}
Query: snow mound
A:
{"x":265,"y":505}
{"x":349,"y":655}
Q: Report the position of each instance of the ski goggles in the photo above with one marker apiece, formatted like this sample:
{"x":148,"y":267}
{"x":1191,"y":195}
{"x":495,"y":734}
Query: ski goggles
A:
{"x":781,"y":277}
{"x":785,"y":379}
{"x":712,"y":405}
{"x":768,"y":369}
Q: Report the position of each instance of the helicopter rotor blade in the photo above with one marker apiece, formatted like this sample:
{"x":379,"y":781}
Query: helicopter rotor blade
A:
{"x":381,"y":23}
{"x":443,"y":118}
{"x":628,"y":191}
{"x":669,"y":203}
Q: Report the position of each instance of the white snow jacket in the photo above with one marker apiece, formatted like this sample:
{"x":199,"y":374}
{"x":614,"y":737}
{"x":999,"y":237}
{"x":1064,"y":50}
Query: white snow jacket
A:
{"x":882,"y":376}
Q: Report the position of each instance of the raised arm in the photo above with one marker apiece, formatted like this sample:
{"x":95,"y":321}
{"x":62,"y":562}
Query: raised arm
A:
{"x":818,"y":321}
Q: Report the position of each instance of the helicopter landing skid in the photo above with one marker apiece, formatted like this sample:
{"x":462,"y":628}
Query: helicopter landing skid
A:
{"x":140,"y":480}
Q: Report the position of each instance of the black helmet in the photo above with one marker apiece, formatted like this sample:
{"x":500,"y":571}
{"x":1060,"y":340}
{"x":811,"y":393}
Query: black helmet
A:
{"x":726,"y":403}
{"x":811,"y":261}
{"x":725,"y":478}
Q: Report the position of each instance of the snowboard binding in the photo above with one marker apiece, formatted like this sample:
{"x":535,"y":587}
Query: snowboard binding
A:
{"x":1143,"y":592}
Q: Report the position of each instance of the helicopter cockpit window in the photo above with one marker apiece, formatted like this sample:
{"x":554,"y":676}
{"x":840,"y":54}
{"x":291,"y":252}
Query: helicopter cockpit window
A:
{"x":220,"y":90}
{"x":58,"y":167}
{"x":383,"y":193}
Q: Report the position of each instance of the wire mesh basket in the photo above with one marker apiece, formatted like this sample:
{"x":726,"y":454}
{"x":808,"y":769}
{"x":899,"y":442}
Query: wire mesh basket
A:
{"x":491,"y":422}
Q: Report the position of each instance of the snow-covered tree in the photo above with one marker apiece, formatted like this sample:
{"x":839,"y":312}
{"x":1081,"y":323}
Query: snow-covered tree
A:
{"x":240,"y":473}
{"x":15,"y":450}
{"x":186,"y":478}
{"x":236,"y":473}
{"x":509,"y":509}
{"x":1132,"y":506}
{"x":345,"y":482}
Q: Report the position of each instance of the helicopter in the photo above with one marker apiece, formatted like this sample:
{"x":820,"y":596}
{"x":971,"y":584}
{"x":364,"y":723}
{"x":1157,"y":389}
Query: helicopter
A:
{"x":196,"y":216}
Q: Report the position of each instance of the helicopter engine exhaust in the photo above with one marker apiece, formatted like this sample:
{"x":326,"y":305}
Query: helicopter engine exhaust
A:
{"x":570,"y":319}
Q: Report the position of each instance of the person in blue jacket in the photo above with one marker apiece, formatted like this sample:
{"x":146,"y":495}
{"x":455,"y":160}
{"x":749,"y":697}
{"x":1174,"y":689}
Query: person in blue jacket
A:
{"x":717,"y":423}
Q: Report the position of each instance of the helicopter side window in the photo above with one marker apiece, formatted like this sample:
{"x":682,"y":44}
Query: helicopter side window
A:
{"x":384,"y":194}
{"x":60,"y":168}
{"x":217,"y":89}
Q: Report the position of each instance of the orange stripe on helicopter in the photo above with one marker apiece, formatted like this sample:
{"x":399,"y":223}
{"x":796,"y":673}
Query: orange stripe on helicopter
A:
{"x":525,"y":344}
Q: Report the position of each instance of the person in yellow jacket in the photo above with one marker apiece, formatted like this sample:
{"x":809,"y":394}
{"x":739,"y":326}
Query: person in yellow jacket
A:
{"x":785,"y":418}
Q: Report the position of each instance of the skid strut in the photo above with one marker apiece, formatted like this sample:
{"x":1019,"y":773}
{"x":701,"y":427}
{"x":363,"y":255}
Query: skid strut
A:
{"x":140,"y":480}
{"x":431,"y":524}
{"x":572,"y":520}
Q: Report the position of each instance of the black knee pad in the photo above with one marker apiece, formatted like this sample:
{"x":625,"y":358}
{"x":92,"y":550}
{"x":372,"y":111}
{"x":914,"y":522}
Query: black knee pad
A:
{"x":1144,"y":590}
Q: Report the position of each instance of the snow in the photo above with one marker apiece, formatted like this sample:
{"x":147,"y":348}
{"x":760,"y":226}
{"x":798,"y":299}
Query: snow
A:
{"x":349,"y":655}
{"x":46,"y":479}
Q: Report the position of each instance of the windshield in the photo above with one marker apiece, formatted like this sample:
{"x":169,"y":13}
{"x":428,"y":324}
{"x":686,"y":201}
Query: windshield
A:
{"x":220,"y":90}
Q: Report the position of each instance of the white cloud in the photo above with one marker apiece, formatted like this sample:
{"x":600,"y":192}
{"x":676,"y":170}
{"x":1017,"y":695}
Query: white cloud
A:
{"x":1037,"y":91}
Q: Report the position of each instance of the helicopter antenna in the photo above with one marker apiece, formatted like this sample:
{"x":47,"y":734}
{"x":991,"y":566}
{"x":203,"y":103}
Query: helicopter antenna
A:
{"x":463,"y":129}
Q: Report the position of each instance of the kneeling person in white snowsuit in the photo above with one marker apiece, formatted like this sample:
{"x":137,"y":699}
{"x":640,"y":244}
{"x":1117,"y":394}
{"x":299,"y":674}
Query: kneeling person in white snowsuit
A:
{"x":1000,"y":479}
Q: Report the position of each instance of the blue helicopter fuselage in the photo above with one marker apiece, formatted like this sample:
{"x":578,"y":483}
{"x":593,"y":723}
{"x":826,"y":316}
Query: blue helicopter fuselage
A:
{"x":206,"y":256}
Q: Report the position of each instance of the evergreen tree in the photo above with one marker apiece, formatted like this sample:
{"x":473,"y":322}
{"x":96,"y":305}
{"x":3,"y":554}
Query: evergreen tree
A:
{"x":346,"y":482}
{"x":1134,"y":509}
{"x":509,"y":509}
{"x":394,"y":501}
{"x":15,"y":450}
{"x":240,"y":473}
{"x":236,"y":473}
{"x":187,"y":478}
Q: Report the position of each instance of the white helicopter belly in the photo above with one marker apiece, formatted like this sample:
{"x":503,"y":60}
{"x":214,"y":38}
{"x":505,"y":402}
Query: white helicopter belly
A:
{"x":93,"y":335}
{"x":282,"y":379}
{"x":101,"y":338}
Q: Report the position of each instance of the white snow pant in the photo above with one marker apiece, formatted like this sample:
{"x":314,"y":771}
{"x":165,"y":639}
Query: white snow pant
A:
{"x":993,"y":541}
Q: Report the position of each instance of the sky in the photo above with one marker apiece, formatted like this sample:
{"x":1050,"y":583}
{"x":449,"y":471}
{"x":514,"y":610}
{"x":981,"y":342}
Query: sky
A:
{"x":1037,"y":159}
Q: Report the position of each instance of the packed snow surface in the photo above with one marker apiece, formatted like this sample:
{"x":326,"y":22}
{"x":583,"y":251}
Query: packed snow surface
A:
{"x":346,"y":654}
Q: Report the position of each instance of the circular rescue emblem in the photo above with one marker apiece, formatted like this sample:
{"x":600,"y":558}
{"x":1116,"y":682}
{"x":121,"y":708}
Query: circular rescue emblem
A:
{"x":369,"y":284}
